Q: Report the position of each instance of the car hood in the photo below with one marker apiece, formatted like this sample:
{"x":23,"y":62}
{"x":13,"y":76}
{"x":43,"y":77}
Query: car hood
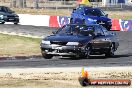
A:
{"x":8,"y":14}
{"x":69,"y":38}
{"x":101,"y":18}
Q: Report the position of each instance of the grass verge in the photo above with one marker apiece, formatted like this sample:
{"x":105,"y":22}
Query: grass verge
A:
{"x":126,"y":15}
{"x":15,"y":45}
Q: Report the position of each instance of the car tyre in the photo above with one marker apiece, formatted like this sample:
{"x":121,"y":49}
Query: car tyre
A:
{"x":2,"y":23}
{"x":111,"y":51}
{"x":71,"y":20}
{"x":87,"y":51}
{"x":108,"y":28}
{"x":83,"y":21}
{"x":16,"y":23}
{"x":46,"y":56}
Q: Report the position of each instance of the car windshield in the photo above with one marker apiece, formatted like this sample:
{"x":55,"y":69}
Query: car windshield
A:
{"x":75,"y":30}
{"x":9,"y":10}
{"x":94,"y":12}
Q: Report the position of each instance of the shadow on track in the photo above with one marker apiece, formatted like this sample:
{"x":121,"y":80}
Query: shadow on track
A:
{"x":91,"y":57}
{"x":123,"y":55}
{"x":96,"y":57}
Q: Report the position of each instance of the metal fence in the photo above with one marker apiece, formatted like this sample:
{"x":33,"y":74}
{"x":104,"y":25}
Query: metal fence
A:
{"x":38,"y":3}
{"x":52,"y":4}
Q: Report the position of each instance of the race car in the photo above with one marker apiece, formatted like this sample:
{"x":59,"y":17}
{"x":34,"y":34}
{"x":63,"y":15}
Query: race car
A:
{"x":7,"y":15}
{"x":89,"y":15}
{"x":79,"y":41}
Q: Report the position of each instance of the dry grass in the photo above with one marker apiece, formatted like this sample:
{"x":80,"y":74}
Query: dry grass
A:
{"x":15,"y":45}
{"x":120,"y":14}
{"x":127,"y":15}
{"x":42,"y":11}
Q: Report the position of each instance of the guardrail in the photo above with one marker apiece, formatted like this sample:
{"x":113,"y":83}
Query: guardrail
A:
{"x":59,"y":21}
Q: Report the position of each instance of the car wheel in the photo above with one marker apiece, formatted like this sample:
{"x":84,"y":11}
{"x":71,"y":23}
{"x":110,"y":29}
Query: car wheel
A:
{"x":71,"y":20}
{"x":46,"y":56}
{"x":87,"y":51}
{"x":83,"y":21}
{"x":108,"y":28}
{"x":111,"y":51}
{"x":15,"y":23}
{"x":2,"y":22}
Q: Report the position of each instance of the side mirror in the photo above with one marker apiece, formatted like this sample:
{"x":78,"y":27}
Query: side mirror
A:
{"x":73,"y":10}
{"x":106,"y":15}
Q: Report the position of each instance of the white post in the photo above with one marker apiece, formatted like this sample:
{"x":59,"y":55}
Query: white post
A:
{"x":104,"y":2}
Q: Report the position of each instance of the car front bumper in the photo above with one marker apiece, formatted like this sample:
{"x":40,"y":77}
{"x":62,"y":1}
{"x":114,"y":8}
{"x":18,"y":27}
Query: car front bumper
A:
{"x":10,"y":19}
{"x":61,"y":50}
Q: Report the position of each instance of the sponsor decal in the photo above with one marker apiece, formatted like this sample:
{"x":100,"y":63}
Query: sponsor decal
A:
{"x":126,"y":25}
{"x":84,"y":80}
{"x":121,"y":25}
{"x":117,"y":24}
{"x":53,"y":21}
{"x":63,"y":20}
{"x":58,"y":21}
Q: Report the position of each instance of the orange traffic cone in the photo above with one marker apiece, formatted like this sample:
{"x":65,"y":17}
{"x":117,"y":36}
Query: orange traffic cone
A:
{"x":84,"y":73}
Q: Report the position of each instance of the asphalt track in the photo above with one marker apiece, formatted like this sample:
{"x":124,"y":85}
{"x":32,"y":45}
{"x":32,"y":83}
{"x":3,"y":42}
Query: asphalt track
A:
{"x":123,"y":56}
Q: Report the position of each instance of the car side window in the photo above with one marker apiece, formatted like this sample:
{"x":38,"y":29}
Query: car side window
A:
{"x":2,"y":9}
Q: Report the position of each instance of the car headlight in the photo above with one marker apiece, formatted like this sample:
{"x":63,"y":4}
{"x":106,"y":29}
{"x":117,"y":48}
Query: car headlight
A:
{"x":92,"y":19}
{"x":1,"y":16}
{"x":45,"y":42}
{"x":73,"y":43}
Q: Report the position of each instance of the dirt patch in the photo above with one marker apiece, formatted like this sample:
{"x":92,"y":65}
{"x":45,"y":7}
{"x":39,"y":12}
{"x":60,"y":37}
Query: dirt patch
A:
{"x":59,"y":77}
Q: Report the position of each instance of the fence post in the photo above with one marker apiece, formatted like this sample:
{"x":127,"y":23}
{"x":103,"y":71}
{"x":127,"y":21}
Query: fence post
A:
{"x":13,"y":3}
{"x":21,"y":3}
{"x":35,"y":2}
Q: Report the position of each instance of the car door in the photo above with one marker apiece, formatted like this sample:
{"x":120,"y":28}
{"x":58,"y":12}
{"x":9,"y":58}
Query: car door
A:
{"x":112,"y":36}
{"x":101,"y":39}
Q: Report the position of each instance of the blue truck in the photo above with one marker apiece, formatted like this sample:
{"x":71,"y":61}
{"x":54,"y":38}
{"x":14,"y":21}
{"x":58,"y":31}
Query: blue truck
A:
{"x":89,"y":15}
